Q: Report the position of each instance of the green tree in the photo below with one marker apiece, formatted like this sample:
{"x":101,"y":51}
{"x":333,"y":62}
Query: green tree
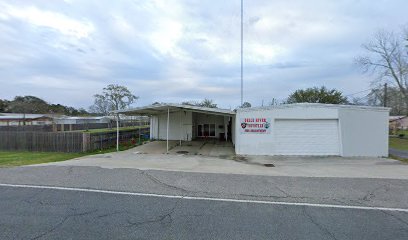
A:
{"x":3,"y":105}
{"x":317,"y":95}
{"x":113,"y":97}
{"x":246,"y":105}
{"x":28,"y":104}
{"x":209,"y":103}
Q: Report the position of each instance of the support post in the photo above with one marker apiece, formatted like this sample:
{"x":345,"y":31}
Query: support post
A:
{"x":385,"y":95}
{"x":117,"y":133}
{"x":167,"y":138}
{"x":181,"y":125}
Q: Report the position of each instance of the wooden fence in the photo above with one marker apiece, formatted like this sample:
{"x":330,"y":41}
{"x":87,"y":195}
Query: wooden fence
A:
{"x":42,"y":141}
{"x":66,"y":141}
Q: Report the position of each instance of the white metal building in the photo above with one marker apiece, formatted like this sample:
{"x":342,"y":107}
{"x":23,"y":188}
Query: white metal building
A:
{"x":186,"y":123}
{"x":313,"y":129}
{"x":291,"y":129}
{"x":81,"y":120}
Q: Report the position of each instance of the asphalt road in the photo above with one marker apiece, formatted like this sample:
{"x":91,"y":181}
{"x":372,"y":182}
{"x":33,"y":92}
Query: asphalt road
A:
{"x":40,"y":213}
{"x":399,"y":153}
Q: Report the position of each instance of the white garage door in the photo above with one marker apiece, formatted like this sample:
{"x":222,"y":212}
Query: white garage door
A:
{"x":307,"y":137}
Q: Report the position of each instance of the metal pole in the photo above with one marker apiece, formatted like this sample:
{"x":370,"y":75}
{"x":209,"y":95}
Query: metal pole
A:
{"x":168,"y":116}
{"x":385,"y":95}
{"x":242,"y":52}
{"x":117,"y":133}
{"x":181,"y":132}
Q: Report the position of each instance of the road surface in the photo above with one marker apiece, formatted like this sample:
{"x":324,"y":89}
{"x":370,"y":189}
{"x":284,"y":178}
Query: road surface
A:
{"x":94,"y":203}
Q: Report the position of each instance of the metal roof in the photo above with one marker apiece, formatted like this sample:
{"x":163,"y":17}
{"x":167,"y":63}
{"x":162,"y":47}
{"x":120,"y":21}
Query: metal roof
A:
{"x":315,"y":105}
{"x":22,"y":117}
{"x":82,"y":118}
{"x":164,"y":107}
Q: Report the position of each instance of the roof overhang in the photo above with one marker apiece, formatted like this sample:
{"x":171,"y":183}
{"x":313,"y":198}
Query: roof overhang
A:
{"x":157,"y":109}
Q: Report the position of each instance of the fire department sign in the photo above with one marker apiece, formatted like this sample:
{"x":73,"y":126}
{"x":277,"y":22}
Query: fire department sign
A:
{"x":255,"y":126}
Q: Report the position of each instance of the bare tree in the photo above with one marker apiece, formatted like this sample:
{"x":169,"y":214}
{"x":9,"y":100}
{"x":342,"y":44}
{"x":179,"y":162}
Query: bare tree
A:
{"x":395,"y":99}
{"x":274,"y":102}
{"x":387,"y":56}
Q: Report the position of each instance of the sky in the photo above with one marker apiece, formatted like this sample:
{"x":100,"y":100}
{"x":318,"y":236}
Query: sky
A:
{"x":181,"y":50}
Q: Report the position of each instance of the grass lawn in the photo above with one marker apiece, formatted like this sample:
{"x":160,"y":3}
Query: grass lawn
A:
{"x":398,"y":143}
{"x":113,"y":129}
{"x":9,"y":159}
{"x":15,"y":158}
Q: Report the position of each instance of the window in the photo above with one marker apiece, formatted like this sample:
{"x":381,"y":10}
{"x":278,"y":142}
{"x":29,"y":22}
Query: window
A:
{"x":212,"y":130}
{"x":206,"y":130}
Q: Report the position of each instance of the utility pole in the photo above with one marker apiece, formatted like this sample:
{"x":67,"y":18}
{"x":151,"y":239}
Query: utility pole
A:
{"x":385,"y":94}
{"x":242,"y":53}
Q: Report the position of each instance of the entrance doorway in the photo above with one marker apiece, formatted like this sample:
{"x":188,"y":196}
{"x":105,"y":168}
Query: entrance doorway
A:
{"x":206,"y":130}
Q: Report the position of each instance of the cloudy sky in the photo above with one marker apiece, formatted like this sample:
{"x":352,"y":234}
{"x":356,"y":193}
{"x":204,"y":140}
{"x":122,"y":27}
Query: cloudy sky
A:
{"x":177,"y":50}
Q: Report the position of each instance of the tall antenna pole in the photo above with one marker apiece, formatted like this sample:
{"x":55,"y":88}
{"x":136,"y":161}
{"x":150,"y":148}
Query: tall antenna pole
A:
{"x":385,"y":94}
{"x":242,"y":53}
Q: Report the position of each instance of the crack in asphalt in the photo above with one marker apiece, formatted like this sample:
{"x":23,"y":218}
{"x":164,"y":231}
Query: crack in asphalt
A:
{"x":111,"y":214}
{"x":70,"y":170}
{"x":371,"y":194}
{"x":284,"y":192}
{"x":30,"y":199}
{"x":59,"y":224}
{"x":156,"y":180}
{"x":160,"y":182}
{"x":159,"y":219}
{"x":361,"y":201}
{"x":397,"y":218}
{"x":323,"y":229}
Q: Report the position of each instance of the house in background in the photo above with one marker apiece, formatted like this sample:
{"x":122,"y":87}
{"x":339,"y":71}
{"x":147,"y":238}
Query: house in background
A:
{"x":81,"y":120}
{"x":21,"y":119}
{"x":398,"y":122}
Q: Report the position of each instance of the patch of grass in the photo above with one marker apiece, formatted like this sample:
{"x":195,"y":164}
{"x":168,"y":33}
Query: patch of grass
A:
{"x":108,"y":130}
{"x":9,"y":159}
{"x":17,"y":158}
{"x":398,"y":143}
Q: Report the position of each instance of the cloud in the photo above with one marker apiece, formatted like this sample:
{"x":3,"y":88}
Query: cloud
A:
{"x":52,"y":20}
{"x":177,"y":50}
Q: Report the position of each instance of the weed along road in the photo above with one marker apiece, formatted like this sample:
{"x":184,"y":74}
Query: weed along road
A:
{"x":78,"y":202}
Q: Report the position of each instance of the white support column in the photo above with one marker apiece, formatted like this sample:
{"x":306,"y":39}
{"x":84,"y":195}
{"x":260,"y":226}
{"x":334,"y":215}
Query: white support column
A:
{"x":117,"y":133}
{"x":167,"y":138}
{"x":181,"y":126}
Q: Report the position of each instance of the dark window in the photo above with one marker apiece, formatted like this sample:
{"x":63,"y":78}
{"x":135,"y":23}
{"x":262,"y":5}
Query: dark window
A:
{"x":212,"y":130}
{"x":200,"y":130}
{"x":206,"y":130}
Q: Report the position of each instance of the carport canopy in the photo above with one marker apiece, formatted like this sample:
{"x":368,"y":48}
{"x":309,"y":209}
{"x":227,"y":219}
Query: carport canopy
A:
{"x":162,"y":108}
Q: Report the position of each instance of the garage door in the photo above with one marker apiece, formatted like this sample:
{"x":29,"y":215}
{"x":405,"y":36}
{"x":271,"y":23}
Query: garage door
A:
{"x":307,"y":137}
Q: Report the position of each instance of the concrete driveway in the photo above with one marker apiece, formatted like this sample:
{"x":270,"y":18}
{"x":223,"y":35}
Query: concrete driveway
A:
{"x":212,"y":148}
{"x":137,"y":158}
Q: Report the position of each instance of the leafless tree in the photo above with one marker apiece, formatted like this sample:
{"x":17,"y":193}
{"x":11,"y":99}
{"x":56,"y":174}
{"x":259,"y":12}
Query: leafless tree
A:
{"x":387,"y":57}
